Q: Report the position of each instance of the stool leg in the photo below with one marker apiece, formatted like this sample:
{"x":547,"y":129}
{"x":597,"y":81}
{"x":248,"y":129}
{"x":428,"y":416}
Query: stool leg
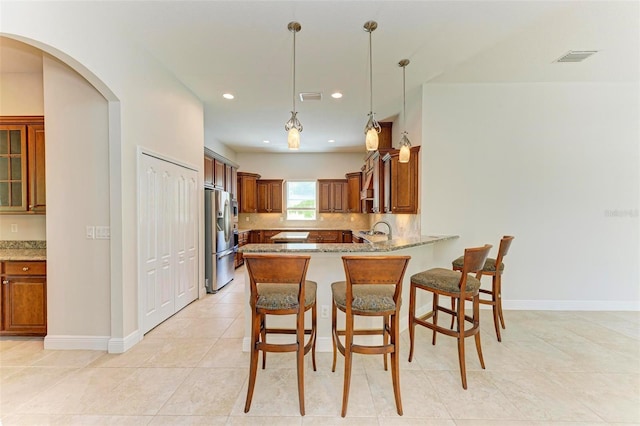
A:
{"x":495,"y":306}
{"x":314,"y":325}
{"x":253,"y":366}
{"x":385,"y":338}
{"x":263,"y":333}
{"x":453,"y":308}
{"x":412,"y":315}
{"x":334,"y":334}
{"x":476,"y":325}
{"x":300,"y":358}
{"x":395,"y":364}
{"x":460,"y":336}
{"x":347,"y":363}
{"x":499,"y":298}
{"x":435,"y":309}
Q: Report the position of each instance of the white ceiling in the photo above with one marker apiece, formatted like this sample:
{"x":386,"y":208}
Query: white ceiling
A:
{"x":244,"y":47}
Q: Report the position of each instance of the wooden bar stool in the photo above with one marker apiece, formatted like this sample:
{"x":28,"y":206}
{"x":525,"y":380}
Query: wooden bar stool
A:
{"x":493,"y":268}
{"x":459,"y":286}
{"x":279,"y":287}
{"x":373,"y":287}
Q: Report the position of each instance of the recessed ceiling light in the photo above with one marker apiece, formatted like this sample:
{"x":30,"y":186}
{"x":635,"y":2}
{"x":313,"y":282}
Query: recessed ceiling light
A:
{"x":228,"y":96}
{"x":331,"y":140}
{"x":265,"y":141}
{"x":336,"y":95}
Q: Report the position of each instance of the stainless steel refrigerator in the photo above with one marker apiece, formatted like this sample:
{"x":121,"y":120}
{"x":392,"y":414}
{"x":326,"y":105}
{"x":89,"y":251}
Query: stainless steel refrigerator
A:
{"x":219,"y":240}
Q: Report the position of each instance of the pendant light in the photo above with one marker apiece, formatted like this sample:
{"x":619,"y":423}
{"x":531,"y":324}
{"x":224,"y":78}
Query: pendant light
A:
{"x":293,"y":126}
{"x":405,"y":145}
{"x":372,"y":128}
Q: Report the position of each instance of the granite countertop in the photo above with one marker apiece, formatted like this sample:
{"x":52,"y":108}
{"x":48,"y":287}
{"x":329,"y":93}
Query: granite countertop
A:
{"x":381,"y":246}
{"x":23,"y":250}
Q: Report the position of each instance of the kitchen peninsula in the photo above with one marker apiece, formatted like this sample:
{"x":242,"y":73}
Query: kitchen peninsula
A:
{"x":326,"y":267}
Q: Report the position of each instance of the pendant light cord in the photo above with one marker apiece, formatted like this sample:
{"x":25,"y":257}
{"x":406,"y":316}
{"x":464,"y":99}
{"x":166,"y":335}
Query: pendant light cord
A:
{"x":404,"y":101}
{"x":294,"y":71}
{"x":370,"y":74}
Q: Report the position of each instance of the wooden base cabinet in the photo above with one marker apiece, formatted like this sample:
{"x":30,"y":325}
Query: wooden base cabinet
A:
{"x":24,"y":298}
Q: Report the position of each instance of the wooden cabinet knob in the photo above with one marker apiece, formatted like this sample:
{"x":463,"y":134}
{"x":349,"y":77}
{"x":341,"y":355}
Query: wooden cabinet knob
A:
{"x":5,"y":282}
{"x":25,"y":268}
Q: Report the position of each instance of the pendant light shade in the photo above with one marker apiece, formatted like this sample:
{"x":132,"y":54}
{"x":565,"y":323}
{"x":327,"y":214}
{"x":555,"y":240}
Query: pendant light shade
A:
{"x":372,"y":128}
{"x":405,"y":144}
{"x":293,"y":126}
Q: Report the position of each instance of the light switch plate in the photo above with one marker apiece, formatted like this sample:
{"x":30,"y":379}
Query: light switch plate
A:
{"x":91,"y":232}
{"x":103,"y":232}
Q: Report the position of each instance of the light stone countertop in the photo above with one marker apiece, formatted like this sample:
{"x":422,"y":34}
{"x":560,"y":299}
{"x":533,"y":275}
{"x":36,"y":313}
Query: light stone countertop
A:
{"x":381,"y":246}
{"x":19,"y":254}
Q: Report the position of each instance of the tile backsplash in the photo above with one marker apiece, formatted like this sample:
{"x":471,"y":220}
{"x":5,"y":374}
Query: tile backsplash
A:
{"x":402,"y":225}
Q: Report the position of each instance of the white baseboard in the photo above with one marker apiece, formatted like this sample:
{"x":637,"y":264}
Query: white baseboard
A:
{"x":570,"y":305}
{"x":118,"y":345}
{"x":92,"y":343}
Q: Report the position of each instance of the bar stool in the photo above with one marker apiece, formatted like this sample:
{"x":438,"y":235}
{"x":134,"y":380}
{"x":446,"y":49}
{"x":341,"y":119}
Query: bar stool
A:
{"x":279,"y":287}
{"x":373,"y":287}
{"x":459,"y":286}
{"x":493,"y":268}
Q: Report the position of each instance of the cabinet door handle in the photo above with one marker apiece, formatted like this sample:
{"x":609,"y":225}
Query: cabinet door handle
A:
{"x":5,"y":282}
{"x":25,"y":268}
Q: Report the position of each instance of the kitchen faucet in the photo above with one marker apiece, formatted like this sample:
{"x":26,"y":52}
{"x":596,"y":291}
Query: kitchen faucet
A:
{"x":389,"y":235}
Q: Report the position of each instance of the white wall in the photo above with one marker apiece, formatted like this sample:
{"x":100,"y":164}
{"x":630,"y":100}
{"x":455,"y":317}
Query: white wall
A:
{"x":21,"y":93}
{"x":78,"y":293}
{"x":301,"y":166}
{"x":148,"y":108}
{"x":549,"y":164}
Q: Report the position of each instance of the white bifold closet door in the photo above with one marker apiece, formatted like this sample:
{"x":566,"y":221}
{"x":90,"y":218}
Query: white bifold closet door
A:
{"x":168,"y":224}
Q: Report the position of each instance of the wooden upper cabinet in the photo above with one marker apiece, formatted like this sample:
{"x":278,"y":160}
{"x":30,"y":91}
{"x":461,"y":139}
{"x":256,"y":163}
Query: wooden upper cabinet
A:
{"x":384,"y":137}
{"x":208,"y":170}
{"x":332,"y":195}
{"x":22,"y":165}
{"x":247,"y":192}
{"x":403,"y":182}
{"x":219,"y":174}
{"x":230,"y":181}
{"x":354,"y":184}
{"x":269,"y":195}
{"x":36,"y":167}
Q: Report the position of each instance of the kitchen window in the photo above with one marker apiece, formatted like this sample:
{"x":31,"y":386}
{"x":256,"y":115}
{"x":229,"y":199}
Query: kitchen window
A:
{"x":301,"y":200}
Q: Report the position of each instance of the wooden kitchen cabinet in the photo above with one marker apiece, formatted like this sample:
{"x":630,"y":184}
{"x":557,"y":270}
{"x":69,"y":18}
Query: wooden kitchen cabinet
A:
{"x":354,"y":184}
{"x":247,"y":192}
{"x":22,"y":165}
{"x":269,"y":195}
{"x":219,"y":174}
{"x":401,"y":182}
{"x":332,"y":196}
{"x":243,"y":238}
{"x":24,"y":298}
{"x":347,"y":237}
{"x":230,"y":181}
{"x":208,"y":170}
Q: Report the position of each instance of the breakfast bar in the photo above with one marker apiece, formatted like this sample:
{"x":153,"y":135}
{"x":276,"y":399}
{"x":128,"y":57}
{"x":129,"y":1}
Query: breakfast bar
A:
{"x":326,"y":267}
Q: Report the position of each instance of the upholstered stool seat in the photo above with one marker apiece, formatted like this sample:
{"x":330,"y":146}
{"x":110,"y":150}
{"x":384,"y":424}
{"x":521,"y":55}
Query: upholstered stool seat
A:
{"x":495,"y":294}
{"x":460,"y":287}
{"x":489,"y":264}
{"x":445,"y":280}
{"x":372,"y":288}
{"x":285,"y":296}
{"x":278,"y":286}
{"x":367,"y":298}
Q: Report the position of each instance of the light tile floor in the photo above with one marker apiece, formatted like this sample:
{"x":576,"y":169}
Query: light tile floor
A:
{"x":575,"y":368}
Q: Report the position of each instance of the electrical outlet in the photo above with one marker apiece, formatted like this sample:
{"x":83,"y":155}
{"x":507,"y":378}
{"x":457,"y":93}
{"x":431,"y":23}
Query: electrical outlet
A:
{"x":247,"y":219}
{"x":91,"y":232}
{"x":324,"y":312}
{"x":14,"y":227}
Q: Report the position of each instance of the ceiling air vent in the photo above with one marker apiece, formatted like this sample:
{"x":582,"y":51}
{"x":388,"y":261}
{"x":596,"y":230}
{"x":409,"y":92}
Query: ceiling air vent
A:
{"x":576,"y":55}
{"x":310,"y":96}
